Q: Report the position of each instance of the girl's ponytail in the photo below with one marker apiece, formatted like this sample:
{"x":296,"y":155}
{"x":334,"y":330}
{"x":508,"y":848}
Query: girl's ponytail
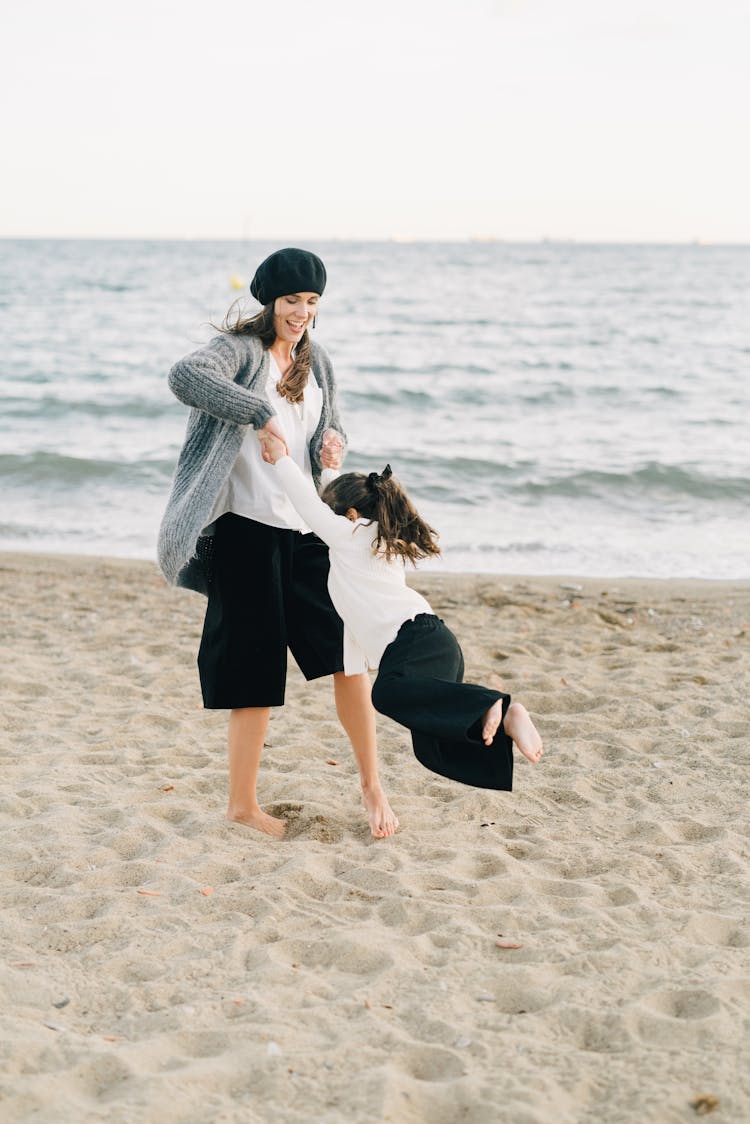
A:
{"x":380,"y":498}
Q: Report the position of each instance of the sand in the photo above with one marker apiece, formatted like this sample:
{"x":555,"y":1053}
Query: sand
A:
{"x":160,"y":964}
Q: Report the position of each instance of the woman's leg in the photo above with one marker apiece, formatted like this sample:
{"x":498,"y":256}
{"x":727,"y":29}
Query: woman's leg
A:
{"x":242,"y":656}
{"x":316,"y":638}
{"x":246,"y":735}
{"x":357,"y":716}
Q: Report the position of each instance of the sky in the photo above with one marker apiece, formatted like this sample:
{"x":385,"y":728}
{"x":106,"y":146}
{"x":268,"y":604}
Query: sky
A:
{"x":412,"y":119}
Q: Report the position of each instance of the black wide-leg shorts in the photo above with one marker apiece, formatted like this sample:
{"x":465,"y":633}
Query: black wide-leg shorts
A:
{"x":268,"y":592}
{"x":420,"y":685}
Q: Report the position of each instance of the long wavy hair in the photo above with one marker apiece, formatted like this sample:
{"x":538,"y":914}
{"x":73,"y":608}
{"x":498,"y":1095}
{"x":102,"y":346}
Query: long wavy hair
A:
{"x":292,"y":386}
{"x":402,"y":533}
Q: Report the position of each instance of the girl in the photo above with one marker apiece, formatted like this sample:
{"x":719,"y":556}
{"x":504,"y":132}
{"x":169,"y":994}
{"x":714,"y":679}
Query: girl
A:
{"x":230,"y":532}
{"x":459,"y":730}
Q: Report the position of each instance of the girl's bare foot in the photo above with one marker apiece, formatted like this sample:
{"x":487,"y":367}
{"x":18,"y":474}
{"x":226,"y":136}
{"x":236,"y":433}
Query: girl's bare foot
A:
{"x":521,"y":729}
{"x":492,"y":720}
{"x":383,"y":820}
{"x":261,"y":821}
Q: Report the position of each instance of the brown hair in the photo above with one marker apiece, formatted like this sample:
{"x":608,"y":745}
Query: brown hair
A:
{"x":381,"y":499}
{"x":292,"y":386}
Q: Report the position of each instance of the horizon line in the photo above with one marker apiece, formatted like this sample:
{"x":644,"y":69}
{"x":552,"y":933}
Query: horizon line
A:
{"x":542,"y":240}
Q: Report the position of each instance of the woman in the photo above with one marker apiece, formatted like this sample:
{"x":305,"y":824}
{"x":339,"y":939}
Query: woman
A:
{"x":230,"y":531}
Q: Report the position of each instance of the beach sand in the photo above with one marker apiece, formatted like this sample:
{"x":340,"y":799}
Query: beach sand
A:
{"x":161,"y":964}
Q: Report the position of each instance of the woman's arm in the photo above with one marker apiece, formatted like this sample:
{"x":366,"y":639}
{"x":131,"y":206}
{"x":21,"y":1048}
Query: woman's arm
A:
{"x":321,"y":456}
{"x":205,"y":381}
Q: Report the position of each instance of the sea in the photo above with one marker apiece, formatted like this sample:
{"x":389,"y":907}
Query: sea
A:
{"x":552,"y":408}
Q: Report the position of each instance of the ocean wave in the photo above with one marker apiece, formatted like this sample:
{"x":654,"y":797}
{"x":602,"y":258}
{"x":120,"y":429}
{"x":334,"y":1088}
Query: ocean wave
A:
{"x":105,"y":286}
{"x":547,"y":365}
{"x":393,"y":370}
{"x":49,"y":408}
{"x":404,"y":396}
{"x":669,"y":480}
{"x":59,"y":470}
{"x":473,"y":480}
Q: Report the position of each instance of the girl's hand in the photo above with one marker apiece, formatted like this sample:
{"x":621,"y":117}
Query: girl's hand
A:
{"x":273,"y":446}
{"x":332,"y":451}
{"x":273,"y":428}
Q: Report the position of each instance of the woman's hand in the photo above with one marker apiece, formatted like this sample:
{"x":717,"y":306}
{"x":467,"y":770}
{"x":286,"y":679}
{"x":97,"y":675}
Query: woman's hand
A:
{"x":332,"y":451}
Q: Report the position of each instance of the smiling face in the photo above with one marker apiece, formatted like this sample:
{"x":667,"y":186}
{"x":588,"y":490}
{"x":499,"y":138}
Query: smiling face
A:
{"x":292,"y":314}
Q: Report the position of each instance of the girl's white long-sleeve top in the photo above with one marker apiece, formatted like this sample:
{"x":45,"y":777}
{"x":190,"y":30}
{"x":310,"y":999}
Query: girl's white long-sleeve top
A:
{"x":369,"y":592}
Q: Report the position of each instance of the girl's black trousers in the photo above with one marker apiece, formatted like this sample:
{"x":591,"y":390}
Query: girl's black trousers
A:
{"x":420,"y":685}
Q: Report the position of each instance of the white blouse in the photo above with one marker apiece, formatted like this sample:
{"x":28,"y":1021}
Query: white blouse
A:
{"x":369,"y":593}
{"x":253,"y":489}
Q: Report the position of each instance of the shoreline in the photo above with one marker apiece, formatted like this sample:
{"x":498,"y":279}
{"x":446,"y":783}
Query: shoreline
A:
{"x":571,"y":952}
{"x":26,"y":558}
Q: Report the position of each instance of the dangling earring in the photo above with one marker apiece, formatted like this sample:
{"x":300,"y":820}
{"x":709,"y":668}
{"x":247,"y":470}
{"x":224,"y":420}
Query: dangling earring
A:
{"x":315,"y":319}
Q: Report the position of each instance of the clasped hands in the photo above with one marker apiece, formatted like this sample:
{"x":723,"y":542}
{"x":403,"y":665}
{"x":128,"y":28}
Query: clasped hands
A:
{"x":273,"y":445}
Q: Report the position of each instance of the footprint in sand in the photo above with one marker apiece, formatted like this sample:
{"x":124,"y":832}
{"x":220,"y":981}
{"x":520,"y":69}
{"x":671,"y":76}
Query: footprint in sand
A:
{"x":598,"y":1034}
{"x":202,"y":1043}
{"x":343,"y":955}
{"x":321,"y":828}
{"x":685,"y":1004}
{"x":431,"y":1064}
{"x":104,"y":1074}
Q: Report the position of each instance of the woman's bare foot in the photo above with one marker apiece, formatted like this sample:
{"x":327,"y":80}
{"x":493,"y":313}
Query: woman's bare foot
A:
{"x":260,"y":820}
{"x":521,"y":729}
{"x":383,"y":820}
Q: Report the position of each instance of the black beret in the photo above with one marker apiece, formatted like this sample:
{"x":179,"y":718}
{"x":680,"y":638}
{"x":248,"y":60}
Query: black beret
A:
{"x":288,"y":271}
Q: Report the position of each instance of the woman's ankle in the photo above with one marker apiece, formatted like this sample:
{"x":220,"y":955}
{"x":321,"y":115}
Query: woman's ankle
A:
{"x":370,"y":783}
{"x":239,"y":809}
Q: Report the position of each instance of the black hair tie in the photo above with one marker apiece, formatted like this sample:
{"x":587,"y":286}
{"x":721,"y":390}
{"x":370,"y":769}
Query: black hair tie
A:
{"x":375,"y":479}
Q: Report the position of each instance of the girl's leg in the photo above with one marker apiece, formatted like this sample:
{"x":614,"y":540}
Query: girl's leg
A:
{"x":246,"y":735}
{"x":518,"y":726}
{"x":356,"y":714}
{"x":420,"y":686}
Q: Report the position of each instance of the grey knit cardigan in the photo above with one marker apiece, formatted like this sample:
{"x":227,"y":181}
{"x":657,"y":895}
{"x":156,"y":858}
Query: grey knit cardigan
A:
{"x":224,"y":383}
